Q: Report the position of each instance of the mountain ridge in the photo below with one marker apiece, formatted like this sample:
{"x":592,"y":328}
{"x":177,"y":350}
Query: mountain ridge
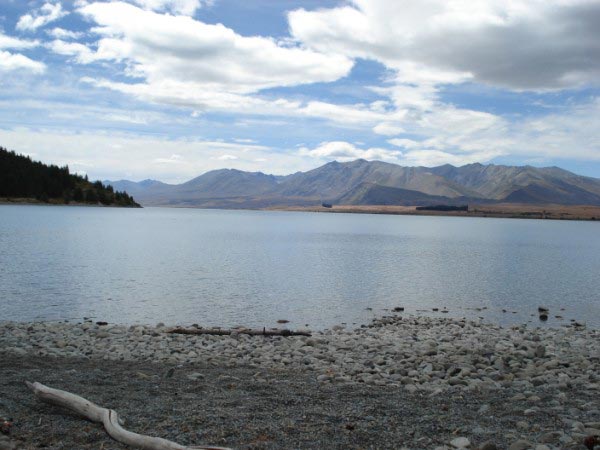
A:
{"x":359,"y":182}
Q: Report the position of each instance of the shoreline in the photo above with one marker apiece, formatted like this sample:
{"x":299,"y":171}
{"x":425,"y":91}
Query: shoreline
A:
{"x":35,"y":202}
{"x":497,"y":384}
{"x":499,"y":211}
{"x":586,"y":213}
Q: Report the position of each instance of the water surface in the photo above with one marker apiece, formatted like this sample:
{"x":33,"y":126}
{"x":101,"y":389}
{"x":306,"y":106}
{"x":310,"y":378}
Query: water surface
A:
{"x":252,"y":268}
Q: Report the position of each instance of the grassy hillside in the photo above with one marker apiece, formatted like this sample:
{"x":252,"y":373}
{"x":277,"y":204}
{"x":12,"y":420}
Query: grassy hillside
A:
{"x":22,"y":178}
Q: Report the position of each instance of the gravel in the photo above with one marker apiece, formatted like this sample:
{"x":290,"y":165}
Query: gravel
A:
{"x":401,"y":382}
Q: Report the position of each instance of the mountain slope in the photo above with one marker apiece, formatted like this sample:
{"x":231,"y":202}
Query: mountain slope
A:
{"x":334,"y":179}
{"x":374,"y":182}
{"x":227,"y":183}
{"x":375,"y":194}
{"x":505,"y":182}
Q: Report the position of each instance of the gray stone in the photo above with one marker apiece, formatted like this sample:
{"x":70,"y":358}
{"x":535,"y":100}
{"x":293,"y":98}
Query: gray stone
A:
{"x":460,"y":442}
{"x":521,"y":444}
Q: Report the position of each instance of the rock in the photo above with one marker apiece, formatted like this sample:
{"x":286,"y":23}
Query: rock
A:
{"x":522,"y":425}
{"x":488,"y":446}
{"x":543,"y":317}
{"x":18,"y":351}
{"x":195,"y":376}
{"x":521,"y":444}
{"x":484,"y":409}
{"x":540,"y":351}
{"x":398,"y":309}
{"x":543,"y":309}
{"x":460,"y":442}
{"x":591,"y":441}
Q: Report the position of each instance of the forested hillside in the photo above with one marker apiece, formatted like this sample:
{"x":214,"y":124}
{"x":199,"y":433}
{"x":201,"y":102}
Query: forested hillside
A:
{"x":22,"y":178}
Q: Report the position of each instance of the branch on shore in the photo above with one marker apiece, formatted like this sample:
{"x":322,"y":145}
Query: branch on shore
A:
{"x":220,"y":332}
{"x":107,"y":417}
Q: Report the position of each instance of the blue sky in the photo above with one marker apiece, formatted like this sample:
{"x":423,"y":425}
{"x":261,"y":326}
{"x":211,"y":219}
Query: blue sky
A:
{"x":169,"y":89}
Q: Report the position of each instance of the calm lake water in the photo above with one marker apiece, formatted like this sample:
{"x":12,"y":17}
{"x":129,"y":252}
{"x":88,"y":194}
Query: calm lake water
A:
{"x":252,"y":268}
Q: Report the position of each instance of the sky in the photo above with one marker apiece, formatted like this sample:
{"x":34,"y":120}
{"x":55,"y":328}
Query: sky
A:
{"x":170,"y":89}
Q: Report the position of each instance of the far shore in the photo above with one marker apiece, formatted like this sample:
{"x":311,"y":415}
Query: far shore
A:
{"x":54,"y":202}
{"x":500,"y":210}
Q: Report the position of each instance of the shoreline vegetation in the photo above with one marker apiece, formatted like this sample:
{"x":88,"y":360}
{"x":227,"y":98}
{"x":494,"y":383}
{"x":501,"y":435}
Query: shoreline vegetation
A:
{"x":502,"y":210}
{"x":23,"y":180}
{"x":398,"y":382}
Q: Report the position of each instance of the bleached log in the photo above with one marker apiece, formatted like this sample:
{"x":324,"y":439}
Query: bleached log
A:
{"x":220,"y":332}
{"x":108,"y":418}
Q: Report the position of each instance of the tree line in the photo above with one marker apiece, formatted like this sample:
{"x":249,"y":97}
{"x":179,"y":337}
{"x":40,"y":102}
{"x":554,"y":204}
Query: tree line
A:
{"x":21,"y":177}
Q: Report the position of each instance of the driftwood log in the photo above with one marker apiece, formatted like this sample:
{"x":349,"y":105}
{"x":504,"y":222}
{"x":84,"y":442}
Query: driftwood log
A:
{"x":108,"y":418}
{"x":220,"y":332}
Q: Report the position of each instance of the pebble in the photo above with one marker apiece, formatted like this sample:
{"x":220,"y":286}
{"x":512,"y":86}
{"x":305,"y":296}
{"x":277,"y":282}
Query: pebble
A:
{"x":460,"y":442}
{"x":521,"y":444}
{"x":424,"y":356}
{"x":421,"y":354}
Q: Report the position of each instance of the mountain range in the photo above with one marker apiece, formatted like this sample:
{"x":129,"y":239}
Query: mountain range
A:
{"x":363,"y":182}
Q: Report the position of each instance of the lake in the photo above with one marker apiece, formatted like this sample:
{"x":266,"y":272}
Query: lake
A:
{"x":227,"y":268}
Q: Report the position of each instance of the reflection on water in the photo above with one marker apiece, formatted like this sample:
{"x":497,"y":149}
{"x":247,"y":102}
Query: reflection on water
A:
{"x":252,"y":268}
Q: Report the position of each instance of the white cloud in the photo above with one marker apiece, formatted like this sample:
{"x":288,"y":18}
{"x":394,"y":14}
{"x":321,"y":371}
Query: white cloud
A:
{"x":15,"y":43}
{"x":61,"y":33}
{"x":226,"y":157}
{"x":81,"y":53}
{"x":179,"y":53}
{"x":187,"y":95}
{"x":11,"y":62}
{"x":432,"y":158}
{"x":184,"y":7}
{"x":173,"y":159}
{"x":117,"y":155}
{"x":388,"y":129}
{"x":458,"y":137}
{"x":346,"y":151}
{"x":48,"y":12}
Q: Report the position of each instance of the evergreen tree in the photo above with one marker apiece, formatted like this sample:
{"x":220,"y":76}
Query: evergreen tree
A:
{"x":20,"y":177}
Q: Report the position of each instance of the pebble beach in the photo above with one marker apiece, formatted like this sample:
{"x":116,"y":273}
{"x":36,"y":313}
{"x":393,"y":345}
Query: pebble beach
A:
{"x":399,"y":382}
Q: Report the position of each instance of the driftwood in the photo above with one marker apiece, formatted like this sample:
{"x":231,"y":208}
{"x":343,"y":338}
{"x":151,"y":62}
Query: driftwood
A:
{"x":220,"y":332}
{"x":108,"y":418}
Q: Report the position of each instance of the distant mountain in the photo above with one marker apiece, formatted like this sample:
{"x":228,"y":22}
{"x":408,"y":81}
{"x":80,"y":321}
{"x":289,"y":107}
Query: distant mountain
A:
{"x":363,"y":182}
{"x":376,"y":194}
{"x":334,"y":179}
{"x":22,"y":179}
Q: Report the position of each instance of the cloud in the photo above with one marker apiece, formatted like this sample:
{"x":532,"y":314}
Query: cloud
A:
{"x":48,"y":12}
{"x":172,"y":52}
{"x":346,"y":151}
{"x":451,"y":41}
{"x":184,"y":7}
{"x":455,"y":136}
{"x":10,"y":62}
{"x":15,"y":43}
{"x":432,"y":158}
{"x":81,"y":53}
{"x":173,"y":159}
{"x":119,"y":155}
{"x":61,"y":33}
{"x":388,"y":129}
{"x":226,"y":157}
